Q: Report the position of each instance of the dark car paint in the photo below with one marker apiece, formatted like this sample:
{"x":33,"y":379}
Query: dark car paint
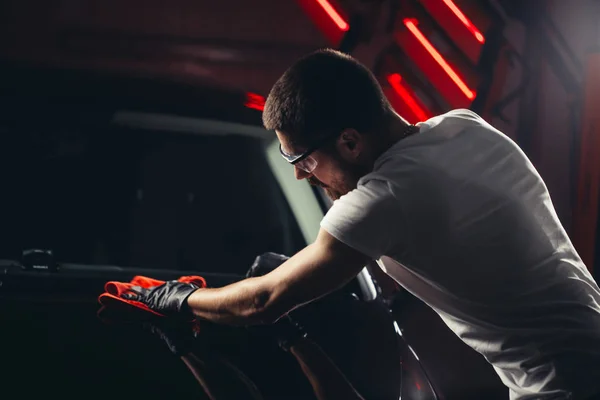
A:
{"x":52,"y":336}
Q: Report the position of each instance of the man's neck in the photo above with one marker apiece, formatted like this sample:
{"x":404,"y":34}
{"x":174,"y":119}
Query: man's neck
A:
{"x":395,"y":130}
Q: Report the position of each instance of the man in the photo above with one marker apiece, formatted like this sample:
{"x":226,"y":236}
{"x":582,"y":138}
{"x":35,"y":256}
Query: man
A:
{"x":451,"y":209}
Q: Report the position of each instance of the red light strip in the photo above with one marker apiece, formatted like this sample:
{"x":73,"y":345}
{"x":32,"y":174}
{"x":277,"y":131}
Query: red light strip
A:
{"x":472,"y":28}
{"x":411,"y":24}
{"x":395,"y":81}
{"x":334,"y":15}
{"x":255,"y":101}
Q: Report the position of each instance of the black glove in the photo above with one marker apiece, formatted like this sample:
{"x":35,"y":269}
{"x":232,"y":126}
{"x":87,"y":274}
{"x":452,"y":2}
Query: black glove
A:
{"x":169,"y":299}
{"x":266,"y":263}
{"x":287,"y":330}
{"x":179,"y":337}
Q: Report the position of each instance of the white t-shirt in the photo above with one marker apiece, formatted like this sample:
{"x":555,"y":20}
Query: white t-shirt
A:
{"x":459,"y":217}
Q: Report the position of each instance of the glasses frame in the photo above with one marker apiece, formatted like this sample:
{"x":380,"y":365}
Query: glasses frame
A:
{"x":296,"y":158}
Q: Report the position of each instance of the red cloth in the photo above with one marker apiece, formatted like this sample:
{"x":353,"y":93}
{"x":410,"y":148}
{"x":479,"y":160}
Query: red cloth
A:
{"x":114,"y":307}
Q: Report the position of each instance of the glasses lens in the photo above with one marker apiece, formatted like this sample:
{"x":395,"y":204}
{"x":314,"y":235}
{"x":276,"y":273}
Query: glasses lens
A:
{"x":288,"y":157}
{"x":307,"y":165}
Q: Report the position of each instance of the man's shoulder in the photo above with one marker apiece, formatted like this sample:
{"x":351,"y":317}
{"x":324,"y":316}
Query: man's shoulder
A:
{"x":456,"y":116}
{"x":438,"y":146}
{"x":462,"y":113}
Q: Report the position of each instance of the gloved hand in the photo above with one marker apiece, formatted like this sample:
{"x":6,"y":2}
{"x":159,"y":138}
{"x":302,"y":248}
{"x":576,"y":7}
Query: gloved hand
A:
{"x":266,"y":263}
{"x":179,"y":337}
{"x":287,"y":330}
{"x":169,"y":299}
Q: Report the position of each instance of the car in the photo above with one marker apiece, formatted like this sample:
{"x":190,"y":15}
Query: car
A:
{"x":110,"y":176}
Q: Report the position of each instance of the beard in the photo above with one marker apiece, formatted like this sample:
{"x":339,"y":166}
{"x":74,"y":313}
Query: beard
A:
{"x":342,"y":183}
{"x":333,"y":194}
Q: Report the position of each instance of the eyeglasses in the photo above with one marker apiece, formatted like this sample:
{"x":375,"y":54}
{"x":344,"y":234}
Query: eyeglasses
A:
{"x":304,"y":160}
{"x":307,"y":163}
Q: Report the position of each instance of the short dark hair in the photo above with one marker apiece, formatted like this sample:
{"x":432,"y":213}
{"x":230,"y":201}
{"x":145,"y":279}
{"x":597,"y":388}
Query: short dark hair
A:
{"x":322,"y":93}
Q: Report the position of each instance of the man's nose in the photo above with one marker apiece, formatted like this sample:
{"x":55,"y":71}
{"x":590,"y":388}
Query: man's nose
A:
{"x":301,"y":174}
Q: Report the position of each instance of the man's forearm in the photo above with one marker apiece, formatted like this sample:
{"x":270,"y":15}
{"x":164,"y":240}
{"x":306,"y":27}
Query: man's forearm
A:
{"x":255,"y":300}
{"x":241,"y":303}
{"x":313,"y":272}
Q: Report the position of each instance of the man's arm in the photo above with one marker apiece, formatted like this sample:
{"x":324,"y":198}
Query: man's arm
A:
{"x":318,"y":269}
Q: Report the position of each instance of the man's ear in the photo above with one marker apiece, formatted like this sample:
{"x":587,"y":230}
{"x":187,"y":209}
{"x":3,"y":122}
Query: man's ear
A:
{"x":350,"y":144}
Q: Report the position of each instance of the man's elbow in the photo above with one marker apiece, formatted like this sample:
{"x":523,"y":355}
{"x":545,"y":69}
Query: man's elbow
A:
{"x":268,"y":307}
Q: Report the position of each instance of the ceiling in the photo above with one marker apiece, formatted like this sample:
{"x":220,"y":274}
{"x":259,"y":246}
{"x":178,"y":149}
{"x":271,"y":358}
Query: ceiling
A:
{"x":224,"y":43}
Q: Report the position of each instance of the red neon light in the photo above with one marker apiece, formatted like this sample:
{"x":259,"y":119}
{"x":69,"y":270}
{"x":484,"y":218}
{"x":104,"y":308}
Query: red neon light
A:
{"x":395,"y":81}
{"x":334,"y":15}
{"x":411,"y":24}
{"x":255,"y":101}
{"x":472,"y":28}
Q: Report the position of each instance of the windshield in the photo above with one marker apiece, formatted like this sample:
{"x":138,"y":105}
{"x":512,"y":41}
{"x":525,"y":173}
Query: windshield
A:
{"x":146,"y":198}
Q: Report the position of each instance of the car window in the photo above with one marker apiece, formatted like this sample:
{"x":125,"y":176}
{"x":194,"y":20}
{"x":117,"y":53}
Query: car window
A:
{"x":149,"y":198}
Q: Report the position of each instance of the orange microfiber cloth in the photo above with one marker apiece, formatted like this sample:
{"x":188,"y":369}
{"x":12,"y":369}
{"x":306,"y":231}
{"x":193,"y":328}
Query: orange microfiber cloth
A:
{"x":115,"y":307}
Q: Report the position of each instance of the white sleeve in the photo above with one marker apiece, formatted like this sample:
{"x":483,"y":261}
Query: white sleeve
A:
{"x":366,"y":219}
